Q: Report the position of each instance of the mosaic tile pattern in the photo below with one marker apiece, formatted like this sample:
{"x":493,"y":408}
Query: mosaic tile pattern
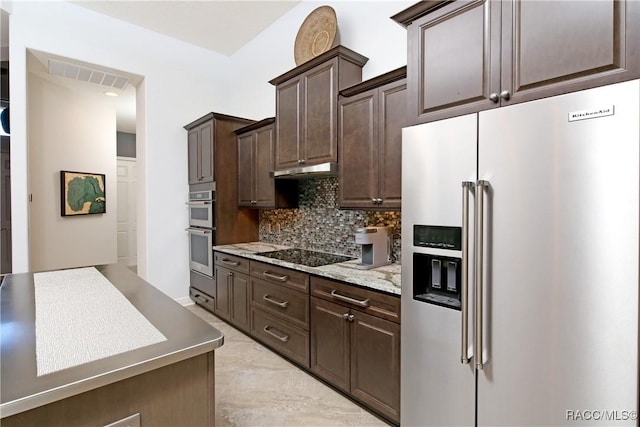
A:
{"x":319,"y":225}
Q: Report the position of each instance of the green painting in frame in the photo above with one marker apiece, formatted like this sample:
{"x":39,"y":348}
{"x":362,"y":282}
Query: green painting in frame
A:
{"x":82,"y":193}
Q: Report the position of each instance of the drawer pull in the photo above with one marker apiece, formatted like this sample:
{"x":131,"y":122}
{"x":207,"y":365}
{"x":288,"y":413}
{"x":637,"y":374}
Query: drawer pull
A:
{"x":284,"y":338}
{"x":231,"y":263}
{"x":275,"y":276}
{"x":361,"y":303}
{"x":201,"y":298}
{"x":268,"y":299}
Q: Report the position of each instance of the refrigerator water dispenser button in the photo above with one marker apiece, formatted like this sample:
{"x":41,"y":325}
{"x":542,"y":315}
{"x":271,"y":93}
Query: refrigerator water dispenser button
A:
{"x":451,"y":276}
{"x":437,"y":280}
{"x":436,"y":267}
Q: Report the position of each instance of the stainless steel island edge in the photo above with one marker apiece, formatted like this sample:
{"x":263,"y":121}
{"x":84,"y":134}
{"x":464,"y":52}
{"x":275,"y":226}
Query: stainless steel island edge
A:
{"x":21,"y":389}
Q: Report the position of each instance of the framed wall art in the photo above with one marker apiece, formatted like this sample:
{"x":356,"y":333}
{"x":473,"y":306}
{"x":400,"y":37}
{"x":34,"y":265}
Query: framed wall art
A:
{"x":82,"y":193}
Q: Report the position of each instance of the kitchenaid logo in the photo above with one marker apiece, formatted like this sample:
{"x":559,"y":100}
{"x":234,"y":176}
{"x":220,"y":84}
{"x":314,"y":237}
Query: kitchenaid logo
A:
{"x":591,"y":114}
{"x":601,"y":415}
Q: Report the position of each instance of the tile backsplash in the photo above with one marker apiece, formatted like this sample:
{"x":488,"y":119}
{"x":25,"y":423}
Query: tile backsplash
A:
{"x":318,"y":224}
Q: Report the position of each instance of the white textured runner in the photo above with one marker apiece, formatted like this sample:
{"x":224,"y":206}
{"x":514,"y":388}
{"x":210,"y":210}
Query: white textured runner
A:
{"x":82,"y":317}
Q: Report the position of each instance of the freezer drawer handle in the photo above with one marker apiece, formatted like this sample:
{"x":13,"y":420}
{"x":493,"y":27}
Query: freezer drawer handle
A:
{"x":271,"y":275}
{"x":283,"y":337}
{"x":270,"y":300}
{"x":479,"y":345}
{"x":231,"y":263}
{"x":464,"y":292}
{"x":361,"y":303}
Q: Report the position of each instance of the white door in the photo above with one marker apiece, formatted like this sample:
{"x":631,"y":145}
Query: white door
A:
{"x":127,"y":248}
{"x":5,"y":223}
{"x":561,"y":260}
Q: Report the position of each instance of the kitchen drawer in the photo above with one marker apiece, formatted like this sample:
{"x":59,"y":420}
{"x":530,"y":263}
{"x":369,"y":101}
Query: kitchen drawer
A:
{"x":203,"y":283}
{"x":202,"y":299}
{"x":236,"y":263}
{"x":283,"y":302}
{"x":371,"y":302}
{"x":282,"y":336}
{"x":280,"y":275}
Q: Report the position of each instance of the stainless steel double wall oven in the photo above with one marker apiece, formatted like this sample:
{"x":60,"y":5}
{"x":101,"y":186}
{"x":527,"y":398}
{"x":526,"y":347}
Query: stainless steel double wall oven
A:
{"x":202,"y":231}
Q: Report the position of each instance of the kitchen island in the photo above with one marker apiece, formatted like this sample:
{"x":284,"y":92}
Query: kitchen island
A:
{"x":167,"y":382}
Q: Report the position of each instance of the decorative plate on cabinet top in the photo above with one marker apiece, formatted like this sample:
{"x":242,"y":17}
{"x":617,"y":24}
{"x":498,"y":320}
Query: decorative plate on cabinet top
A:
{"x":317,"y":34}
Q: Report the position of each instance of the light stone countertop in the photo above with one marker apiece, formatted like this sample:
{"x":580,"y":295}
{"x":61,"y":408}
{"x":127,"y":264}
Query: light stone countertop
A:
{"x":385,"y":279}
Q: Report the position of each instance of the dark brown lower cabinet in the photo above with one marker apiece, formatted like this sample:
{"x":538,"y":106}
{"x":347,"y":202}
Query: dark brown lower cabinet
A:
{"x":281,"y":336}
{"x":232,"y":297}
{"x":330,"y":344}
{"x":345,"y":335}
{"x":375,"y":363}
{"x":357,"y":353}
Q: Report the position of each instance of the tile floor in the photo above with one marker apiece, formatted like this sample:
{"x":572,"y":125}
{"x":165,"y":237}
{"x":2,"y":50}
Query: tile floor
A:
{"x":256,"y":387}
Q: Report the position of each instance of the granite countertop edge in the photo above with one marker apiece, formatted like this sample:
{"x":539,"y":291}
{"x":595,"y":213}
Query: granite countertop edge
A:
{"x":385,"y":279}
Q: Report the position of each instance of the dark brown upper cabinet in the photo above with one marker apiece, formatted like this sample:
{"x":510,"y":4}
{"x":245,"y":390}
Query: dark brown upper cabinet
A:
{"x":256,"y":185}
{"x":201,"y":154}
{"x":213,"y":165}
{"x":306,"y":107}
{"x":468,"y":56}
{"x":371,"y":116}
{"x":206,"y":138}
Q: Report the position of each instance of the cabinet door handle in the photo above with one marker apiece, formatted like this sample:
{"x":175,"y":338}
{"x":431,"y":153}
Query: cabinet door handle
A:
{"x":301,"y":161}
{"x":379,"y":201}
{"x":283,"y":337}
{"x":494,"y":97}
{"x":271,"y":275}
{"x":505,"y":94}
{"x":374,"y":201}
{"x":270,"y":300}
{"x":229,"y":262}
{"x":348,"y":317}
{"x":361,"y":303}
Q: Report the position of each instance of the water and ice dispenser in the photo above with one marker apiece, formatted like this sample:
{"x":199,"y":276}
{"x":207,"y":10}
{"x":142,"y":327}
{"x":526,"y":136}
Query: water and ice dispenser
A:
{"x":437,"y":278}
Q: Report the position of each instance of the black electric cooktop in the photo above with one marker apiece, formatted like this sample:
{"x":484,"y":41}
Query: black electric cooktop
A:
{"x":305,"y":257}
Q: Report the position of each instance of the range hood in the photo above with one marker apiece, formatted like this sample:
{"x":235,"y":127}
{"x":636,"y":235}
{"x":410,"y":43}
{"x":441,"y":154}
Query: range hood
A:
{"x":311,"y":171}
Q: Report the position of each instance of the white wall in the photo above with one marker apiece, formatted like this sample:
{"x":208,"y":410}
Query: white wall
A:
{"x":68,"y":131}
{"x":181,"y":83}
{"x":364,"y":26}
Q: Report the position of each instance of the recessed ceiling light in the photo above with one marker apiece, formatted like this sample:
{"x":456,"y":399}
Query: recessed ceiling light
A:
{"x":111,"y":94}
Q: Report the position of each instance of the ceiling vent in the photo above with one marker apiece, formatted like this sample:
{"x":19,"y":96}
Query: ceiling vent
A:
{"x":84,"y":74}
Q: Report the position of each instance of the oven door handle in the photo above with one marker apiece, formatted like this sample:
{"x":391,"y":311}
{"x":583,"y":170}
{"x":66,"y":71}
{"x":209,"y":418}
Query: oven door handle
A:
{"x":199,"y":203}
{"x":198,"y":231}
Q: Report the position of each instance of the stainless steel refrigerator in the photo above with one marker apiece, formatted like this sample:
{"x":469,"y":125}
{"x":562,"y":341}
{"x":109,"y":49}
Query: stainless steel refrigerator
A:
{"x":520,"y":264}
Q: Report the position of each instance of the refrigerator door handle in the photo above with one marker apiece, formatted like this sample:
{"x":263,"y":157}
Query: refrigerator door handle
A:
{"x":479,"y":279}
{"x":464,"y":292}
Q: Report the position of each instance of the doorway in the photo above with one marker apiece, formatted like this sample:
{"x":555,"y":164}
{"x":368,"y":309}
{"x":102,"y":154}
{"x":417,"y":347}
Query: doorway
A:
{"x":127,"y":228}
